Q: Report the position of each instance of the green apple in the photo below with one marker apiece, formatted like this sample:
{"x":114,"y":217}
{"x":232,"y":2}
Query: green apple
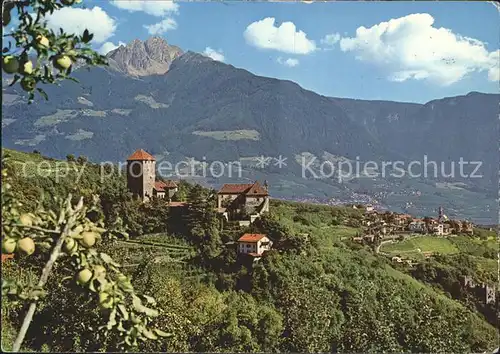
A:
{"x":88,"y":239}
{"x":84,"y":276}
{"x":28,"y":83}
{"x":9,"y":245}
{"x":10,"y":64}
{"x":26,"y":245}
{"x":62,"y":62}
{"x":26,"y":219}
{"x":42,"y":41}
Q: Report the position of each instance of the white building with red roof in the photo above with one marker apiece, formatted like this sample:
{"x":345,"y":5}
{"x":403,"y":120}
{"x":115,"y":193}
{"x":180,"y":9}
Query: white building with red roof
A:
{"x":254,"y":244}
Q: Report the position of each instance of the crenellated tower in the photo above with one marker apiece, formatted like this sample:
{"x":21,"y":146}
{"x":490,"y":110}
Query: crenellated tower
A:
{"x":141,"y":174}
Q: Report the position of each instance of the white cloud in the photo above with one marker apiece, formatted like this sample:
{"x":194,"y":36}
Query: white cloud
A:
{"x":285,"y":38}
{"x":214,"y":54}
{"x":494,"y":71}
{"x":331,"y":39}
{"x":162,"y":26}
{"x":414,"y":49}
{"x":109,"y":46}
{"x":290,"y":62}
{"x":76,"y":20}
{"x":155,"y":8}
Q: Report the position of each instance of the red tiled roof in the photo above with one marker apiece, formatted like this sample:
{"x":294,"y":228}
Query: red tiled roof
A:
{"x":177,"y":204}
{"x":255,"y":254}
{"x":141,"y":155}
{"x":257,"y":189}
{"x":235,"y":188}
{"x":171,"y":184}
{"x":251,"y":237}
{"x":247,"y":188}
{"x":7,"y":256}
{"x":161,"y":186}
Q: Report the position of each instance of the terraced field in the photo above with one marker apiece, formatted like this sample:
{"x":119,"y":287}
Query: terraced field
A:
{"x":155,"y":248}
{"x":134,"y":252}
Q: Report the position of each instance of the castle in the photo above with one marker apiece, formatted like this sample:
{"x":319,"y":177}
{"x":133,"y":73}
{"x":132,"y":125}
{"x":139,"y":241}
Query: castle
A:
{"x":243,"y":202}
{"x":141,"y":178}
{"x":485,"y":292}
{"x":235,"y":202}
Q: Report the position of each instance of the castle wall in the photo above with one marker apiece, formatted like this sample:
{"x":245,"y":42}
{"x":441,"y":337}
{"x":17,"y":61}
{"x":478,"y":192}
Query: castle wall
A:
{"x":222,"y":198}
{"x":148,"y":182}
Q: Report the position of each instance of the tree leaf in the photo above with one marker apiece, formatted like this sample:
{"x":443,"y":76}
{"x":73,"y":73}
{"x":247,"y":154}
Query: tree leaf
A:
{"x":107,"y":259}
{"x":86,"y":36}
{"x":123,"y":311}
{"x":112,"y":319}
{"x":92,"y":286}
{"x":148,"y":334}
{"x":162,"y":334}
{"x":43,"y":93}
{"x":16,"y":78}
{"x":149,"y":299}
{"x":136,"y":302}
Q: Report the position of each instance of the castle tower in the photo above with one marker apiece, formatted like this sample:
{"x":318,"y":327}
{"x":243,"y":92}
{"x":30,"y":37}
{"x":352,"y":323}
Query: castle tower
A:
{"x":141,"y":174}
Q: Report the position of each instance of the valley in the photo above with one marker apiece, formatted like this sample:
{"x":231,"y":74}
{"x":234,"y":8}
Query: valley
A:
{"x":209,"y":111}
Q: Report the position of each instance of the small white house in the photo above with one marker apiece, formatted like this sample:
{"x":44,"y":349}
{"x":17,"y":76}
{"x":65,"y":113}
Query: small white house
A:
{"x":254,"y":244}
{"x":442,"y":229}
{"x":417,"y":226}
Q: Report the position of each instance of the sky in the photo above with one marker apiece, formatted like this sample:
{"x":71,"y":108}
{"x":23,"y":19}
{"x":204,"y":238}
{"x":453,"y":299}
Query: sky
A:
{"x":398,"y":51}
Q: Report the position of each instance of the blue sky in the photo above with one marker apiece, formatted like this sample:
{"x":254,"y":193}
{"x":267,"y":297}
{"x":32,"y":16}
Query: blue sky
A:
{"x":428,"y":50}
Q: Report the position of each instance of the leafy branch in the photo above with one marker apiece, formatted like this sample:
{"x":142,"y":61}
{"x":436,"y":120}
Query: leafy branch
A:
{"x":72,"y":235}
{"x":54,"y":53}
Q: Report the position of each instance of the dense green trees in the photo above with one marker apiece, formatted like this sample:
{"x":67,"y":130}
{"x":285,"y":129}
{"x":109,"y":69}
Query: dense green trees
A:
{"x":309,"y":294}
{"x":59,"y":249}
{"x":283,"y":237}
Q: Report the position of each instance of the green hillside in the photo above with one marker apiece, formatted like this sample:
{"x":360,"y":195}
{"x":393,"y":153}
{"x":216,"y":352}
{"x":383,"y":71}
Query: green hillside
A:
{"x":316,"y":291}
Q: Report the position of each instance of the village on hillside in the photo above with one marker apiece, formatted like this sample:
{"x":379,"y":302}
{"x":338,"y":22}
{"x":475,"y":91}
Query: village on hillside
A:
{"x":244,"y":203}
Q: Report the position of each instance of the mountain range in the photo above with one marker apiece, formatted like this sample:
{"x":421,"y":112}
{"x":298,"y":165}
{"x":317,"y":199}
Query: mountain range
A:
{"x":179,"y":105}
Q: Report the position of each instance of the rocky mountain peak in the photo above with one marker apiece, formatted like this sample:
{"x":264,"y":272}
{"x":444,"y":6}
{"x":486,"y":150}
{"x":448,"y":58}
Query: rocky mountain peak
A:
{"x":190,"y":56}
{"x":144,"y":58}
